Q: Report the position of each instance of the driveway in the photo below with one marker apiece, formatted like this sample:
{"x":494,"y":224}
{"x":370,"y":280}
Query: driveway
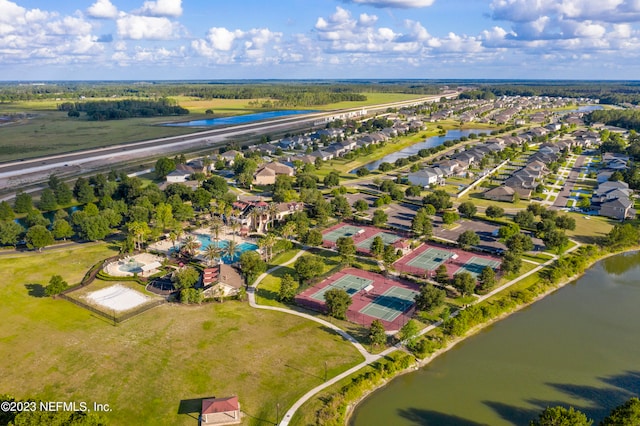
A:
{"x":572,"y":179}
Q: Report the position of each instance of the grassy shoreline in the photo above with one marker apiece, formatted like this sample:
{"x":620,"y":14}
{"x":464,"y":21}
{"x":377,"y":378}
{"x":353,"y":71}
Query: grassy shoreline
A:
{"x":307,"y":411}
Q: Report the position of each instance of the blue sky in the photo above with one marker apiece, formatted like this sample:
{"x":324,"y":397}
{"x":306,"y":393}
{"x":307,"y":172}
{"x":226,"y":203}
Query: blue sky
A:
{"x":216,"y":39}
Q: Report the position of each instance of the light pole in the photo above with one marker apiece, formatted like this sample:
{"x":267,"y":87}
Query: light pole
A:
{"x":277,"y":413}
{"x":325,"y":371}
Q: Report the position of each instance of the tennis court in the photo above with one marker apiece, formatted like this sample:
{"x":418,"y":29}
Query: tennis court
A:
{"x":389,"y":305}
{"x":349,"y":283}
{"x":430,"y":259}
{"x":386,"y":239}
{"x":475,"y":265}
{"x":343,"y":231}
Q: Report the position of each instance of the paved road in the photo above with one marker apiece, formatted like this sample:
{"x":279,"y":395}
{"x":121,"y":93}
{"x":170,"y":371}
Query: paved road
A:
{"x":17,"y":174}
{"x":572,"y":179}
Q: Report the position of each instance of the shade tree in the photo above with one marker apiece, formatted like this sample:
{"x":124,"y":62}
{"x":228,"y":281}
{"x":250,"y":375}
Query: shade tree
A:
{"x":337,"y":302}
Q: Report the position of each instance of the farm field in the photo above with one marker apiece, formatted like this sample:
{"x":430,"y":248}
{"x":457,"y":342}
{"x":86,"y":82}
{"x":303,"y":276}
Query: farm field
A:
{"x":156,"y":367}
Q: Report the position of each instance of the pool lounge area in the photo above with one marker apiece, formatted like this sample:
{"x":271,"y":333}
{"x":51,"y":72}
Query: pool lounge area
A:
{"x":206,"y":241}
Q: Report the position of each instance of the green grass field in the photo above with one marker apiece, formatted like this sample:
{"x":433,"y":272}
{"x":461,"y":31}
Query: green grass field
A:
{"x":154,"y":368}
{"x":51,"y":132}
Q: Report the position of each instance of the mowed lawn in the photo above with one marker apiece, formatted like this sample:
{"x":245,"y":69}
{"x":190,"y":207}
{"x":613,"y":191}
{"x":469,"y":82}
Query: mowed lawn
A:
{"x":154,"y":368}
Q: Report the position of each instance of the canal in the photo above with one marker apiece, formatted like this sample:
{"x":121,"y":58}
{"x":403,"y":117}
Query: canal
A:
{"x":427,"y":143}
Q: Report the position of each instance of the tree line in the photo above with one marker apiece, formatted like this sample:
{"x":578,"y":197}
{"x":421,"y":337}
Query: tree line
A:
{"x":122,"y":109}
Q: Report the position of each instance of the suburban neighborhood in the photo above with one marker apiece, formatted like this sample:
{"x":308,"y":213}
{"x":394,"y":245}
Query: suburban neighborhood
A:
{"x":390,"y":229}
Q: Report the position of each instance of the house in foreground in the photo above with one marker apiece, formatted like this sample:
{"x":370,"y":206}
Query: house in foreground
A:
{"x":221,"y":281}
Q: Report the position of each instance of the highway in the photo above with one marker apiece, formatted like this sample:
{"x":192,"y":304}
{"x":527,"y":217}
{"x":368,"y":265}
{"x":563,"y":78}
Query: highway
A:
{"x":17,"y":174}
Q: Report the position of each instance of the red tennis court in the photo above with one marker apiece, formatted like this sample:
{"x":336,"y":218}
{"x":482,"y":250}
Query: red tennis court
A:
{"x":362,"y":236}
{"x":373,"y":296}
{"x":424,"y":260}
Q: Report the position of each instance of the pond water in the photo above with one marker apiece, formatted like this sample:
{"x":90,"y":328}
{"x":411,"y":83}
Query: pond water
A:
{"x":427,"y":143}
{"x":576,"y":347}
{"x":239,"y":119}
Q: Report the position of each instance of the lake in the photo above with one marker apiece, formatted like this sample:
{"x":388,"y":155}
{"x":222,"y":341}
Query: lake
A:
{"x":427,"y":143}
{"x":577,"y":347}
{"x":239,"y":119}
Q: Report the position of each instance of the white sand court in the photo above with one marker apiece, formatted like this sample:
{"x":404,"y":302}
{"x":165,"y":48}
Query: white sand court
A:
{"x":117,"y":298}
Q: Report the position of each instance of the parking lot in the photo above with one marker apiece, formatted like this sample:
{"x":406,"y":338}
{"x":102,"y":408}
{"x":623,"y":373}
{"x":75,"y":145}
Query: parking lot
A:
{"x":487,"y":231}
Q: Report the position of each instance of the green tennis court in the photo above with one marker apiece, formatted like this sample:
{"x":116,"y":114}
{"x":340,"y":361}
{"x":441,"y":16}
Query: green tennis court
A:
{"x":475,"y":265}
{"x":389,"y":305}
{"x":430,"y":259}
{"x":349,"y":283}
{"x":386,"y":239}
{"x":343,"y":231}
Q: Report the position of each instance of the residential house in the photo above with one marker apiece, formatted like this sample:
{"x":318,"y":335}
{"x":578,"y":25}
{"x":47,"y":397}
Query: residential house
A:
{"x":549,"y":148}
{"x":618,"y":208}
{"x":268,"y":149}
{"x":349,"y":144}
{"x":323,"y":155}
{"x":180,"y":174}
{"x":604,"y":175}
{"x":229,"y":157}
{"x":424,"y":178}
{"x":266,"y":174}
{"x":506,"y":193}
{"x":220,"y":411}
{"x":613,"y":199}
{"x":449,"y":167}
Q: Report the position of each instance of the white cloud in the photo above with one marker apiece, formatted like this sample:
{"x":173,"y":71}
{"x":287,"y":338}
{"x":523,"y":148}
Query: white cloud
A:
{"x":36,"y":37}
{"x":70,"y":25}
{"x":172,"y":8}
{"x":224,"y":46}
{"x":136,"y":27}
{"x":103,"y":9}
{"x":222,"y":38}
{"x":400,"y":4}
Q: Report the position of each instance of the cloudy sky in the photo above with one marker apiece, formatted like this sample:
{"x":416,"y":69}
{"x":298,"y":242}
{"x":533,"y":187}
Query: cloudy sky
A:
{"x":222,"y":39}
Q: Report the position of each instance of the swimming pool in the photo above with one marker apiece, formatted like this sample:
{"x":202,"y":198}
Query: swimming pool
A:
{"x":206,"y":241}
{"x":131,"y":267}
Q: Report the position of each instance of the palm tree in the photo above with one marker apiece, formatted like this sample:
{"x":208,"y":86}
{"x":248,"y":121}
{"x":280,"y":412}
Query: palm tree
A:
{"x":216,"y":226}
{"x":255,"y":217}
{"x":139,"y":231}
{"x":190,"y":245}
{"x":235,"y":226}
{"x":173,"y":237}
{"x":267,"y":242}
{"x":211,"y":253}
{"x":231,"y":249}
{"x":272,"y":211}
{"x":288,"y":230}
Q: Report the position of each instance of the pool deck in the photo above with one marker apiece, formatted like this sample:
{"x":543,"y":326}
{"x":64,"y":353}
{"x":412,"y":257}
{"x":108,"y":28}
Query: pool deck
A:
{"x":144,"y":258}
{"x":164,"y":246}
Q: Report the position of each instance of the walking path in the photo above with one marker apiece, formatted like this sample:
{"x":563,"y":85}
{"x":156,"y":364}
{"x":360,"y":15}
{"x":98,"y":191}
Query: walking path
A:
{"x":368,"y":357}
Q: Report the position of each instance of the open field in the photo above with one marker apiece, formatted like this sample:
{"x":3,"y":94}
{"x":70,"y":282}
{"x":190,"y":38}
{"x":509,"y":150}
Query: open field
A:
{"x":590,"y":228}
{"x":52,"y":132}
{"x":154,"y":368}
